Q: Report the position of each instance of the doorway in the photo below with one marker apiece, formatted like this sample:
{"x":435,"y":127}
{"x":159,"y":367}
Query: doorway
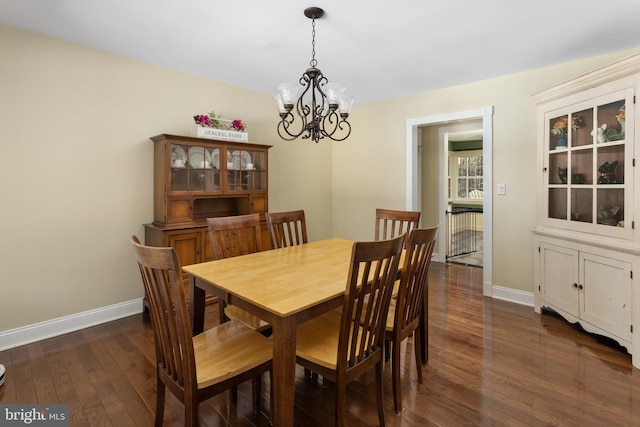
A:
{"x":414,"y":163}
{"x":464,"y":191}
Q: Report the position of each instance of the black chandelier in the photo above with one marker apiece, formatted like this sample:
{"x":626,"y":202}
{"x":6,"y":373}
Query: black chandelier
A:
{"x":322,"y":107}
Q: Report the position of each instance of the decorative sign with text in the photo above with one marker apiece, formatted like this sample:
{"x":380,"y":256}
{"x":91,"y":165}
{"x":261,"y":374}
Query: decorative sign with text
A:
{"x":222,"y":134}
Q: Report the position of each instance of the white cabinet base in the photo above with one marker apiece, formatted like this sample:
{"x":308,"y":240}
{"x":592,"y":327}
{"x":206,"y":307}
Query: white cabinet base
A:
{"x":587,"y":284}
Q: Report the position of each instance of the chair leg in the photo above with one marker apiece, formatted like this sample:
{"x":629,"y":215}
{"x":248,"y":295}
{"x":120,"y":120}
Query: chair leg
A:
{"x":416,"y":346}
{"x":191,"y":414}
{"x":160,"y":393}
{"x":256,"y":385}
{"x":341,"y":403}
{"x":221,"y":305}
{"x":395,"y":377}
{"x":271,"y":394}
{"x":379,"y":400}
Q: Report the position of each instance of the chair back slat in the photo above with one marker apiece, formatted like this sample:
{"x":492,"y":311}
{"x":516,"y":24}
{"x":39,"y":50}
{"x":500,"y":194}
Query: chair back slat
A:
{"x":160,"y":271}
{"x":232,"y":236}
{"x":287,"y":228}
{"x":373,"y":269}
{"x":392,"y":223}
{"x":413,"y":282}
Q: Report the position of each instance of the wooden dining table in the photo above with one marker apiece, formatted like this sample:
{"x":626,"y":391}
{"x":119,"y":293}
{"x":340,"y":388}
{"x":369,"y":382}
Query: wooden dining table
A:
{"x":284,"y":287}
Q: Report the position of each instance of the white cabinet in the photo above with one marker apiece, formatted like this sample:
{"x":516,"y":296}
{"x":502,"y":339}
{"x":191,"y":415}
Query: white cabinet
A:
{"x":584,"y":287}
{"x":586,"y":238}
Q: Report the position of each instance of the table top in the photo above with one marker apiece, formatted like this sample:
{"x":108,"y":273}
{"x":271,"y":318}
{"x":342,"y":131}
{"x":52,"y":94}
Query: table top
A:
{"x":282,"y":281}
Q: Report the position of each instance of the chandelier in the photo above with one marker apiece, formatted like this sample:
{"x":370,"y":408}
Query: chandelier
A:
{"x":321,"y":108}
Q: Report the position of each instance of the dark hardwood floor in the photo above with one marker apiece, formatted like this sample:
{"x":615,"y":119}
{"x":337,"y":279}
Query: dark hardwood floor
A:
{"x":491,"y":363}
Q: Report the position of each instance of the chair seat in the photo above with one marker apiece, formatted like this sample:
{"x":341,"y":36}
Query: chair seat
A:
{"x":317,"y":340}
{"x":227,"y":350}
{"x":249,"y":320}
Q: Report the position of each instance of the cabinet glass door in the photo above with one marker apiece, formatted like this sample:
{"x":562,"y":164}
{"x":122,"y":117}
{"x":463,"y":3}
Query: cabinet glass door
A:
{"x":195,"y":168}
{"x":588,"y":154}
{"x":246,"y":170}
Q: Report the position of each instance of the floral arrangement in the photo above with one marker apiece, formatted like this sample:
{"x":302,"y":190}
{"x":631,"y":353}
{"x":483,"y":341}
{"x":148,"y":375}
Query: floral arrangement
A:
{"x":621,"y":114}
{"x":560,"y":126}
{"x":210,"y":120}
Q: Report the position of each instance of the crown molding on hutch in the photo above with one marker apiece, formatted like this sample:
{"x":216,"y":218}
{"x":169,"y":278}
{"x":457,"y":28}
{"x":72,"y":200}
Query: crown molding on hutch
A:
{"x":62,"y":325}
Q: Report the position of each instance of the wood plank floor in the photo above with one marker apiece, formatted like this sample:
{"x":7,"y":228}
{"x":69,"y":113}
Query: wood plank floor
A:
{"x":491,"y":363}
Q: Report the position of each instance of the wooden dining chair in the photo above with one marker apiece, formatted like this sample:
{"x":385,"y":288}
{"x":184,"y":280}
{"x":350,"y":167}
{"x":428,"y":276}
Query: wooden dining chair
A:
{"x":341,"y":347}
{"x":194,"y":368}
{"x":286,"y":228}
{"x":232,"y":236}
{"x":391,"y":223}
{"x":406,"y":310}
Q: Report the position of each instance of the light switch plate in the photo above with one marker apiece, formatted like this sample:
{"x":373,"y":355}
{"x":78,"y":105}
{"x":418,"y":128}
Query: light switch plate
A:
{"x":502,"y":188}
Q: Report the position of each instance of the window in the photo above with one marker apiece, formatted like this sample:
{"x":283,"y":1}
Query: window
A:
{"x":467,"y":175}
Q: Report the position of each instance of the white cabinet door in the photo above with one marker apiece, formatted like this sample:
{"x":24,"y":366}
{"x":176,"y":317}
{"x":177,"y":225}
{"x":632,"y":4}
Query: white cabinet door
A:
{"x":559,"y":274}
{"x":605,"y":300}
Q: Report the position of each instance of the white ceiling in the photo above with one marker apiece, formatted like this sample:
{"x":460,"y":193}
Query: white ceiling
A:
{"x":378,"y":49}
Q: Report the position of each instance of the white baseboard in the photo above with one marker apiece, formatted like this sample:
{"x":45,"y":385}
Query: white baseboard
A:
{"x":62,"y":325}
{"x":513,"y":295}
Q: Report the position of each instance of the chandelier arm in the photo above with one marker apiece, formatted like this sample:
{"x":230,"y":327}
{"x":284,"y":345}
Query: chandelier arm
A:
{"x":283,"y":127}
{"x":335,"y":123}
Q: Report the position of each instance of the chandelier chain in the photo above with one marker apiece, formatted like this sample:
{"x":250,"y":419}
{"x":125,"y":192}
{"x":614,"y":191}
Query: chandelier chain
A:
{"x":313,"y":62}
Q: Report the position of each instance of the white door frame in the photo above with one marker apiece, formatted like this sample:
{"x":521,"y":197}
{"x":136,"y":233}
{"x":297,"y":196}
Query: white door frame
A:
{"x":414,"y":173}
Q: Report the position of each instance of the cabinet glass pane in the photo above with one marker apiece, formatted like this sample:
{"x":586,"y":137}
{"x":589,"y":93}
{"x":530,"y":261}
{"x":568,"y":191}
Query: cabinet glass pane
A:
{"x":611,"y":120}
{"x":212,"y":158}
{"x":558,"y":203}
{"x":211,"y":180}
{"x":260,"y":180}
{"x":558,"y":132}
{"x":240,"y":160}
{"x":611,"y":206}
{"x":179,"y":178}
{"x":581,"y":128}
{"x":259,"y":161}
{"x":196,"y":180}
{"x":558,"y":168}
{"x":581,"y":167}
{"x":179,"y":155}
{"x":196,"y":157}
{"x":240,"y":180}
{"x":582,"y":204}
{"x":611,"y":164}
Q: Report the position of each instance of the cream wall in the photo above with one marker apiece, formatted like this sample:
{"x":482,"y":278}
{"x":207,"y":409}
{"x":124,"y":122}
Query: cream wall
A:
{"x":77,"y":166}
{"x":77,"y":175}
{"x":369,"y":171}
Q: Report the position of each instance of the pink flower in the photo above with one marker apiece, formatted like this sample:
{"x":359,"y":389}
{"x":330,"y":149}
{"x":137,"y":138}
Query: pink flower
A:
{"x":203,"y":120}
{"x":237,"y":125}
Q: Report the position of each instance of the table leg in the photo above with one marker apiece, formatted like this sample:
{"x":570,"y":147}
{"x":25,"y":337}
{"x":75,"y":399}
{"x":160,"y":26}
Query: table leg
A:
{"x":284,"y":371}
{"x":196,"y":306}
